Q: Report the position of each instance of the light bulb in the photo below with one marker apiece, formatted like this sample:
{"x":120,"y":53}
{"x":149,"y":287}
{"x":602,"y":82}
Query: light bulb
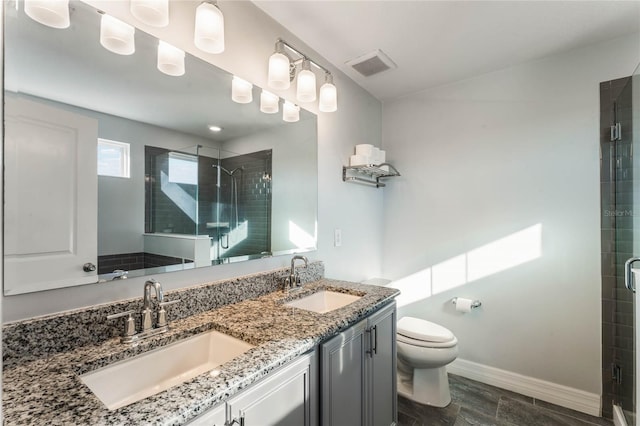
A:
{"x":290,"y":112}
{"x":279,"y":77}
{"x":151,"y":12}
{"x":117,"y":36}
{"x":269,"y":102}
{"x":306,"y":89}
{"x":241,"y":90}
{"x":52,"y":13}
{"x":209,"y":32}
{"x":170,"y":59}
{"x":328,"y":96}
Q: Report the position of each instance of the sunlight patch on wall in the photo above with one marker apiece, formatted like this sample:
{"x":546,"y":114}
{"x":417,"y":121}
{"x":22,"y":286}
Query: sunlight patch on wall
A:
{"x":301,"y":238}
{"x":413,"y":287}
{"x":449,"y":274}
{"x":499,"y":255}
{"x":505,"y":253}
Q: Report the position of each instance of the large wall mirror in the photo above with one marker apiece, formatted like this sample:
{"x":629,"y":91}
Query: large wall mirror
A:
{"x":112,"y":170}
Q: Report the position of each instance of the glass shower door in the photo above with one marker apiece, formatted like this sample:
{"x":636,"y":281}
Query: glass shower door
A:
{"x":624,"y":133}
{"x":631,"y":416}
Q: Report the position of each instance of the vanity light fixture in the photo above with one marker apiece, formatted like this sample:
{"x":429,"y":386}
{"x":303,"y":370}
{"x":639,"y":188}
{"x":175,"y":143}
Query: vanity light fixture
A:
{"x":287,"y":62}
{"x":116,"y":36}
{"x":279,"y":77}
{"x":209,"y":29}
{"x":241,"y":90}
{"x":52,"y":13}
{"x":306,"y":88}
{"x":290,"y":112}
{"x":328,"y":95}
{"x":269,"y":102}
{"x":151,"y":12}
{"x":215,"y":129}
{"x":170,"y":59}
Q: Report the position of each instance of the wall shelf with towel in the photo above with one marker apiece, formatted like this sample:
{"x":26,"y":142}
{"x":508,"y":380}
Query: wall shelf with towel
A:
{"x":369,"y":174}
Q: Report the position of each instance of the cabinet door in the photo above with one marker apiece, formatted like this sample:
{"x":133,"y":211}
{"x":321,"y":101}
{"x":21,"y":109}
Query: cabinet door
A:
{"x":284,"y":398}
{"x":381,"y":368}
{"x":213,"y":417}
{"x":343,"y":378}
{"x":51,"y":185}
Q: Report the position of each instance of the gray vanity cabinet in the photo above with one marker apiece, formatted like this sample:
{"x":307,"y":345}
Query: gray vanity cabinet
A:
{"x":342,"y":377}
{"x":381,"y":365}
{"x":358,"y":373}
{"x":287,"y":397}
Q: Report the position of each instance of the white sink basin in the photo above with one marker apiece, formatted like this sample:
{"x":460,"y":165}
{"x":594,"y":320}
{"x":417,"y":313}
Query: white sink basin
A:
{"x":131,"y":380}
{"x":323,"y":301}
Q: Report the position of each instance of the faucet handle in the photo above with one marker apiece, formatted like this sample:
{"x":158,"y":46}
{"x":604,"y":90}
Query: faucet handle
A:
{"x":121,"y":314}
{"x":162,"y":313}
{"x":129,"y":323}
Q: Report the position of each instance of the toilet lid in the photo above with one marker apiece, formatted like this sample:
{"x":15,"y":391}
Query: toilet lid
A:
{"x":427,"y":331}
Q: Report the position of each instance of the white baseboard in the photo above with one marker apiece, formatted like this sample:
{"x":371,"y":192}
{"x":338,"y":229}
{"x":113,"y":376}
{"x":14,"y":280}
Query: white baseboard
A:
{"x":618,"y":416}
{"x":564,"y":396}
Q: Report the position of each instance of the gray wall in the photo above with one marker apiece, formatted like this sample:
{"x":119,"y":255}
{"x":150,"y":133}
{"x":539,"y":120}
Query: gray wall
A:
{"x":490,"y":156}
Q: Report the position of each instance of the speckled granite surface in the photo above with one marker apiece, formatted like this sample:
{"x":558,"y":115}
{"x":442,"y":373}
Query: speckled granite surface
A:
{"x":48,"y":335}
{"x":47,"y":389}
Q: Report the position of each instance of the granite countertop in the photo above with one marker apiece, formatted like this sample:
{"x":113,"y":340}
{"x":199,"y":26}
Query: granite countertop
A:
{"x":49,"y":391}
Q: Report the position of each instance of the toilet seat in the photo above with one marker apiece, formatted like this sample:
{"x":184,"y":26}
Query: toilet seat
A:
{"x":418,"y":332}
{"x":424,"y":344}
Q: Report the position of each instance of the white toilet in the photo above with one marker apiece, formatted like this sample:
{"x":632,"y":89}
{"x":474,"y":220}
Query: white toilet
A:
{"x":424,"y":349}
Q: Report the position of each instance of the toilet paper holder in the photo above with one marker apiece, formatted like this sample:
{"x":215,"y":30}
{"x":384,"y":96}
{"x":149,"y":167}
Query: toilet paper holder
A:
{"x":474,"y":304}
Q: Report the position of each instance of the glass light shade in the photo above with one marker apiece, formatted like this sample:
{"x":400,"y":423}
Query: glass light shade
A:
{"x":328,"y":98}
{"x":241,"y":90}
{"x":151,"y":12}
{"x":170,"y":59}
{"x":306,"y":89}
{"x":52,"y":13}
{"x":279,"y":72}
{"x":209,"y":32}
{"x":117,"y":36}
{"x":290,"y":112}
{"x":269,"y":102}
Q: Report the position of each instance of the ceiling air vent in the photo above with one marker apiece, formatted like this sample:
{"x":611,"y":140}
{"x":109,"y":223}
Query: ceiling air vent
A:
{"x":372,"y":63}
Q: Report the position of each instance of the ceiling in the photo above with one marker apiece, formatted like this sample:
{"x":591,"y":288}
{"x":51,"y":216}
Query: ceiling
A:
{"x":439,"y":42}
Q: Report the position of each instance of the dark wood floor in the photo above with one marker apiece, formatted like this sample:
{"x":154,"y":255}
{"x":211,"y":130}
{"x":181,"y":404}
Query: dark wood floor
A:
{"x":474,"y":403}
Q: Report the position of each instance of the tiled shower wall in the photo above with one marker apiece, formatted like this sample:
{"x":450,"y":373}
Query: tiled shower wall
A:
{"x":254,"y":199}
{"x":616,"y":194}
{"x":254,"y":196}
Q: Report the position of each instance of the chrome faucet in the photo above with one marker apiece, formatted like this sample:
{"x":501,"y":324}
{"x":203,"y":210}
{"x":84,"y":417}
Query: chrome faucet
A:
{"x":293,"y":280}
{"x":120,"y":274}
{"x":146,"y":302}
{"x":147,"y":328}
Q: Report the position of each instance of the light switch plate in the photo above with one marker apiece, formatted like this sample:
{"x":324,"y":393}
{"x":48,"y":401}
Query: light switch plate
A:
{"x":337,"y":237}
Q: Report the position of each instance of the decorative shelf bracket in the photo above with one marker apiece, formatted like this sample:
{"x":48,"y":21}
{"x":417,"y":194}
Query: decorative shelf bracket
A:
{"x":369,"y":174}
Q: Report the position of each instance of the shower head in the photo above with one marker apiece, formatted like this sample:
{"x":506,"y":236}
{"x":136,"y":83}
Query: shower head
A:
{"x":230,"y":173}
